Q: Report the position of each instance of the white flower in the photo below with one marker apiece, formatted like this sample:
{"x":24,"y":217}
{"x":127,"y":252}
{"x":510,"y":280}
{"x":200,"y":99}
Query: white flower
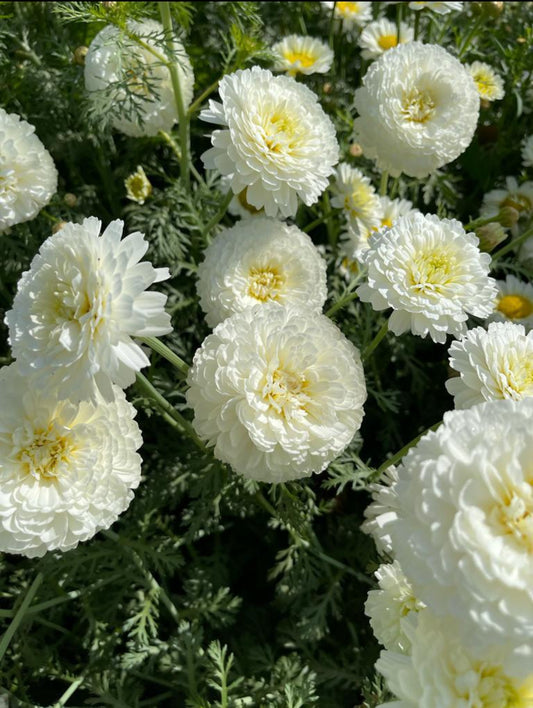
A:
{"x":67,"y":469}
{"x":442,"y":673}
{"x":493,"y":364}
{"x":353,"y":192}
{"x":353,"y":14}
{"x":138,"y":186}
{"x":514,"y":302}
{"x":441,"y":8}
{"x":382,"y":35}
{"x":28,"y":177}
{"x":78,"y":305}
{"x":297,"y":54}
{"x":418,"y":109}
{"x":519,"y":197}
{"x":277,"y":142}
{"x":148,"y":105}
{"x":461,"y":525}
{"x":488,"y":82}
{"x":257,"y":261}
{"x":278,"y":391}
{"x":527,"y":151}
{"x":391,"y":606}
{"x":384,"y":509}
{"x":431,"y":273}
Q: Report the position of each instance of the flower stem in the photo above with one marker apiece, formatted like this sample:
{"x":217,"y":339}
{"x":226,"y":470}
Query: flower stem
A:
{"x":405,"y":449}
{"x":377,"y":339}
{"x":162,"y":349}
{"x":383,"y":184}
{"x":346,"y":298}
{"x":17,"y":619}
{"x":528,"y":233}
{"x":470,"y":36}
{"x":195,"y":105}
{"x":220,"y":213}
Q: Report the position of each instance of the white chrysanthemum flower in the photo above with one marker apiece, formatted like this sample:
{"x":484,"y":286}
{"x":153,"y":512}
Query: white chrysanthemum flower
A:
{"x":257,"y":261}
{"x":28,"y":177}
{"x":441,"y":8}
{"x":527,"y":151}
{"x":519,"y":197}
{"x":80,"y":303}
{"x":278,"y":390}
{"x":382,"y":35}
{"x":408,"y":109}
{"x":353,"y":14}
{"x":493,"y":363}
{"x":353,"y":192}
{"x":442,"y":673}
{"x":431,"y":273}
{"x":277,"y":142}
{"x":391,"y":606}
{"x":514,"y":302}
{"x":297,"y":54}
{"x":461,"y":524}
{"x":67,"y":469}
{"x":488,"y":82}
{"x":149,"y":104}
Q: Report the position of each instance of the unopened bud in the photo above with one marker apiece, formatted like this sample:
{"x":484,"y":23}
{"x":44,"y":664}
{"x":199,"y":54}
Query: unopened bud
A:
{"x":327,"y":87}
{"x":356,"y":150}
{"x":79,"y":55}
{"x":490,"y":236}
{"x":70,"y":199}
{"x":509,"y":215}
{"x":57,"y":227}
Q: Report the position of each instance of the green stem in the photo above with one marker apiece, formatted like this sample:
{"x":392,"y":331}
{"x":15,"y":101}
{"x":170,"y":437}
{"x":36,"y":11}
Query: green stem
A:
{"x":383,"y":184}
{"x":342,"y":302}
{"x":220,"y":213}
{"x":332,"y":27}
{"x":377,"y":339}
{"x":513,"y":244}
{"x":315,"y":223}
{"x":17,"y":619}
{"x":183,"y":117}
{"x":195,"y":105}
{"x":475,"y":223}
{"x":470,"y":36}
{"x":417,"y":25}
{"x":398,"y":455}
{"x":162,"y":349}
{"x":69,"y":692}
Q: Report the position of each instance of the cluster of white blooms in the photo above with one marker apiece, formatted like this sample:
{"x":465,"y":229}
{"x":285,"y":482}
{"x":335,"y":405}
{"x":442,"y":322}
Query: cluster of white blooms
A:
{"x":277,"y":144}
{"x":148,"y":105}
{"x":408,"y":118}
{"x":297,"y":54}
{"x":379,"y":36}
{"x":28,"y":177}
{"x":514,"y":302}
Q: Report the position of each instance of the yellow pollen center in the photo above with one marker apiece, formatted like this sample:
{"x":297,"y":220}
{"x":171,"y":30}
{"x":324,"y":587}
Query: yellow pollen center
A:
{"x":386,"y":222}
{"x":358,"y":201}
{"x":43,"y":456}
{"x":347,"y":8}
{"x":285,"y":392}
{"x":418,"y":106}
{"x":280,"y":132}
{"x":265,"y":283}
{"x":515,"y":307}
{"x":496,"y":690}
{"x":387,"y":41}
{"x":305,"y":59}
{"x":432,"y":271}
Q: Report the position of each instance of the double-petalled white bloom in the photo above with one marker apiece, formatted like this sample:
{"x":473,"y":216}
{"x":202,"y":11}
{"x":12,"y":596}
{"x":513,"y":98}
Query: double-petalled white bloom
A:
{"x":28,"y":177}
{"x":298,"y":54}
{"x":67,"y":469}
{"x":461,"y":525}
{"x":488,"y":82}
{"x":493,"y":363}
{"x":431,"y":273}
{"x":514,"y":302}
{"x":353,"y":15}
{"x":257,"y":261}
{"x":409,"y":120}
{"x":277,"y":143}
{"x":148,"y":105}
{"x":353,"y":192}
{"x":278,"y":391}
{"x":382,"y":35}
{"x":78,"y":306}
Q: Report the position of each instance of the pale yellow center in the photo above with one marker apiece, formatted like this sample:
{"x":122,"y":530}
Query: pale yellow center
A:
{"x":280,"y":131}
{"x":357,"y":203}
{"x":305,"y":59}
{"x":43,"y":456}
{"x":515,"y":307}
{"x":485,"y":84}
{"x":387,"y":41}
{"x":285,"y":392}
{"x":432,"y":271}
{"x":516,"y":517}
{"x":418,"y":105}
{"x":347,"y":8}
{"x":496,"y":690}
{"x":265,"y":283}
{"x":517,"y":201}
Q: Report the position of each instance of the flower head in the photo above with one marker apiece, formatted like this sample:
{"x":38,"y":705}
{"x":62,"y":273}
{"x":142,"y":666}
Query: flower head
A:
{"x":277,"y":142}
{"x":514,"y":302}
{"x":431,"y":273}
{"x":278,"y":391}
{"x":353,"y":192}
{"x":519,"y":197}
{"x":297,"y":54}
{"x":352,"y":14}
{"x":78,"y":305}
{"x":148,"y":104}
{"x":257,"y":261}
{"x":138,"y":187}
{"x":380,"y":36}
{"x":408,"y":109}
{"x":28,"y":177}
{"x":67,"y":469}
{"x":488,"y":83}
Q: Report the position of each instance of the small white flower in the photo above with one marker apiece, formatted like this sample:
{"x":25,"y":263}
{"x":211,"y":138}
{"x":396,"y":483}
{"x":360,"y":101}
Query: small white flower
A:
{"x":527,"y":151}
{"x":297,"y":54}
{"x":260,"y":260}
{"x":278,"y":391}
{"x":431,"y":273}
{"x":138,"y":186}
{"x":353,"y":192}
{"x":28,"y":177}
{"x":514,"y":302}
{"x":488,"y":82}
{"x":519,"y":197}
{"x":277,"y":142}
{"x":418,"y":109}
{"x":353,"y":14}
{"x":441,"y":8}
{"x":461,"y":525}
{"x":67,"y":470}
{"x":80,"y":303}
{"x":382,"y":35}
{"x":493,"y":364}
{"x":150,"y":105}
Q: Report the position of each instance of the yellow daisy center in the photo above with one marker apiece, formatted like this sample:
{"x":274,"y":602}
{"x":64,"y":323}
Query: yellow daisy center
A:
{"x":305,"y":59}
{"x":285,"y":392}
{"x":281,"y":129}
{"x":515,"y":307}
{"x":347,"y":8}
{"x":43,"y":455}
{"x":485,"y":84}
{"x":265,"y":283}
{"x":496,"y":690}
{"x":432,"y":271}
{"x":418,"y":105}
{"x":387,"y":41}
{"x":516,"y":518}
{"x":357,"y":203}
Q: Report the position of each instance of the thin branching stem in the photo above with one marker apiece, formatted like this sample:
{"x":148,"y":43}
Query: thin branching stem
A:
{"x":162,"y":349}
{"x":19,"y":616}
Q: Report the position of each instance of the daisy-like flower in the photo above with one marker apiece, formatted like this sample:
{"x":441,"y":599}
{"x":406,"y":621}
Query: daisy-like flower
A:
{"x":353,"y":192}
{"x":28,"y":177}
{"x":277,"y":143}
{"x":461,"y":525}
{"x":138,"y":186}
{"x":442,"y":673}
{"x":257,"y":261}
{"x":297,"y":54}
{"x":519,"y":197}
{"x":440,"y":8}
{"x":488,"y":82}
{"x":278,"y":390}
{"x":514,"y":302}
{"x":391,"y":606}
{"x":527,"y":151}
{"x":493,"y":363}
{"x":408,"y":118}
{"x":379,"y":36}
{"x":67,"y":469}
{"x":431,"y":273}
{"x":148,"y":105}
{"x":78,"y":306}
{"x":353,"y":14}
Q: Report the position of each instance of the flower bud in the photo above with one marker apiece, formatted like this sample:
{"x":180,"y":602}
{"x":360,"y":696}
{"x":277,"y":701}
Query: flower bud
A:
{"x":79,"y":55}
{"x":57,"y":227}
{"x":490,"y":236}
{"x":70,"y":199}
{"x":356,"y":150}
{"x":509,"y":215}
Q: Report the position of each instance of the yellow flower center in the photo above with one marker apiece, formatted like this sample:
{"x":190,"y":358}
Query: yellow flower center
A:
{"x":265,"y":283}
{"x":44,"y":454}
{"x":386,"y":222}
{"x":280,"y":132}
{"x":347,"y":8}
{"x":517,"y":201}
{"x":495,"y":690}
{"x":432,"y":271}
{"x":138,"y":187}
{"x":418,"y":105}
{"x":358,"y":201}
{"x":484,"y":83}
{"x":285,"y":392}
{"x":387,"y":41}
{"x":515,"y":307}
{"x":516,"y":517}
{"x":305,"y":59}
